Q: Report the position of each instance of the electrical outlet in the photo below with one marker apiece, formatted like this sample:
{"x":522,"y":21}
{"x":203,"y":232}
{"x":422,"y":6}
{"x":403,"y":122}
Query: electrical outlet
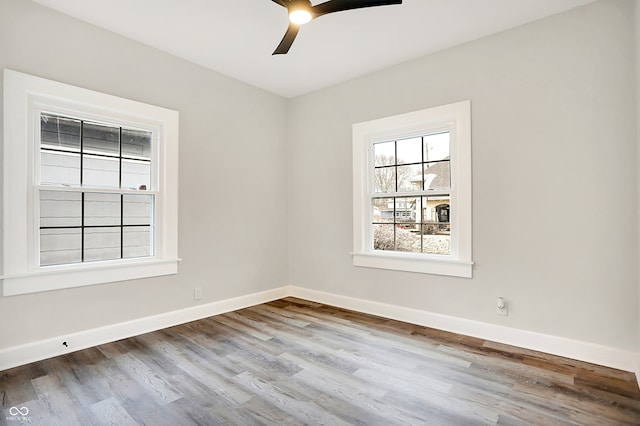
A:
{"x":501,"y":306}
{"x":197,"y":293}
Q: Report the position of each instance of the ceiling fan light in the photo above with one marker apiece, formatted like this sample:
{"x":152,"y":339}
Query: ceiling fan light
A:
{"x":299,"y":16}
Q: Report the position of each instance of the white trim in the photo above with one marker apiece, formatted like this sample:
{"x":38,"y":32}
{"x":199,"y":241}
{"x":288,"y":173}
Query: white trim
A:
{"x":24,"y":97}
{"x":36,"y":351}
{"x":561,"y":346}
{"x":455,"y":118}
{"x":407,"y":262}
{"x":53,"y":278}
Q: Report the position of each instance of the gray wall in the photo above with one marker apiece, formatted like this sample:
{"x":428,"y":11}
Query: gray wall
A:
{"x":232,"y":173}
{"x":554,"y":172}
{"x":555,"y":197}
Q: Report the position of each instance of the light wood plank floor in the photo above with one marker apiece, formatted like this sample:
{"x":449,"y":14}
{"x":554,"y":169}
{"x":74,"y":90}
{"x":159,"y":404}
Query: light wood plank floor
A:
{"x":294,"y":362}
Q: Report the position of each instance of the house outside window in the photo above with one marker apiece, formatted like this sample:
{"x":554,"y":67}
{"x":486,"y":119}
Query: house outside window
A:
{"x":79,"y":221}
{"x":412,"y":191}
{"x":90,"y":187}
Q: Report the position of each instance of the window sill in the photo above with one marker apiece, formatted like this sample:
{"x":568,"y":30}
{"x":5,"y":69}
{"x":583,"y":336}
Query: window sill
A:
{"x":414,"y":263}
{"x":55,"y":278}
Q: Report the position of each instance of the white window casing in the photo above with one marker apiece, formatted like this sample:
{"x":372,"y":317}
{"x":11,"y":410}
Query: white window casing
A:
{"x":454,"y":118}
{"x":25,"y":97}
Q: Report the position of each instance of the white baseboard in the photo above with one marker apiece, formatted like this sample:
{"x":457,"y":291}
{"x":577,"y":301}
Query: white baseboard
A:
{"x":36,"y":351}
{"x":575,"y":349}
{"x":561,"y":346}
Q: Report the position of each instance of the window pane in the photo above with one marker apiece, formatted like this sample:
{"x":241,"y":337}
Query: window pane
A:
{"x":101,"y":209}
{"x":408,"y":210}
{"x":385,"y":153}
{"x":437,"y":175}
{"x":59,"y":208}
{"x":383,"y":210}
{"x":436,"y":209}
{"x":101,"y":139}
{"x":409,"y":151}
{"x":60,"y":132}
{"x":59,"y":168}
{"x":136,"y":174}
{"x":137,"y":209}
{"x":101,"y":244}
{"x":383,"y":237}
{"x":409,"y":177}
{"x":436,"y":227}
{"x":101,"y":172}
{"x":136,"y":143}
{"x":60,"y":246}
{"x":407,"y":239}
{"x":385,"y":179}
{"x":436,"y":244}
{"x":436,"y":147}
{"x":136,"y":241}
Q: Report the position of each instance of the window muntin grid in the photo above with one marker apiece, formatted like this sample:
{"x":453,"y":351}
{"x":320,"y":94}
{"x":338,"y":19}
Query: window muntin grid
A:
{"x":410,"y":204}
{"x":78,"y":222}
{"x":414,"y":164}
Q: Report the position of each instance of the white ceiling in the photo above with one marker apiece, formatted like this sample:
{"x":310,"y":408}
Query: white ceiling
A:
{"x":237,"y":37}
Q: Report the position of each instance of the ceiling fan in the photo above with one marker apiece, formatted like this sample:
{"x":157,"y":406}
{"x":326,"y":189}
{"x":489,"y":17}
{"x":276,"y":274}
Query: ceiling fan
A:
{"x":301,"y":12}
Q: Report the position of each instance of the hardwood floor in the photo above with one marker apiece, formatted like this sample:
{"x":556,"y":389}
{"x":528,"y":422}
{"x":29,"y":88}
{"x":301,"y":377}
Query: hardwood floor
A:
{"x":295,"y":362}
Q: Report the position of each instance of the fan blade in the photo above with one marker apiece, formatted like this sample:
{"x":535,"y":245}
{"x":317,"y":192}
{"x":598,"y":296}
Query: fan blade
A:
{"x":282,"y":3}
{"x":287,"y":40}
{"x":341,"y":5}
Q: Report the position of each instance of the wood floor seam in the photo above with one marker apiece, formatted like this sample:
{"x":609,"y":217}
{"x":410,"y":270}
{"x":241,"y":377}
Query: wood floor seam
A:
{"x":296,"y":362}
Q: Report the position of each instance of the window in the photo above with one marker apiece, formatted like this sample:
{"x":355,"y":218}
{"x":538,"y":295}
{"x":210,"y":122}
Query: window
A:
{"x":412,"y":191}
{"x":90,"y":186}
{"x":79,"y":222}
{"x":412,"y":185}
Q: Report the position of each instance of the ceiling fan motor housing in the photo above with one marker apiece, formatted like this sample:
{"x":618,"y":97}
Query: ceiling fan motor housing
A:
{"x":300,"y":11}
{"x":300,"y":4}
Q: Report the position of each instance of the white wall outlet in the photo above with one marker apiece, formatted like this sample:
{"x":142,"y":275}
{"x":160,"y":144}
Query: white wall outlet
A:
{"x":197,"y":293}
{"x":501,"y":306}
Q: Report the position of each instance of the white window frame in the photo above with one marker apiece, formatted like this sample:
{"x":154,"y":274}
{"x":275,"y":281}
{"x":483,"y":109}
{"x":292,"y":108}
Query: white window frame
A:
{"x":454,"y":117}
{"x":25,"y":96}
